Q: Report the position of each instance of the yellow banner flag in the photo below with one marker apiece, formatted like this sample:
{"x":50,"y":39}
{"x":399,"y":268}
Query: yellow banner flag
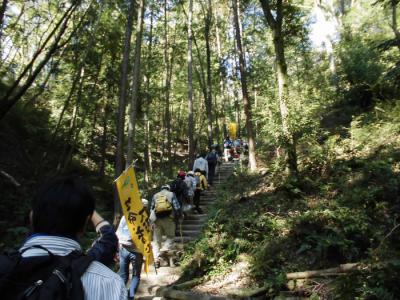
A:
{"x":232,"y":128}
{"x":135,"y":214}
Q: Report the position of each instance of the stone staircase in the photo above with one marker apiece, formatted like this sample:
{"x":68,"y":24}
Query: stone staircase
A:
{"x":193,"y":223}
{"x":189,"y":230}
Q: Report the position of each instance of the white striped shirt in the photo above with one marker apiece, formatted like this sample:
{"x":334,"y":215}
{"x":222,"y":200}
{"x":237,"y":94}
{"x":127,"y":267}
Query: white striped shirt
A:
{"x":99,"y":282}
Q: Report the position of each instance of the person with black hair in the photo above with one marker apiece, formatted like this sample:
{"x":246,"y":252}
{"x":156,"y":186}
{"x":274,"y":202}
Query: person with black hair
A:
{"x":179,"y":188}
{"x":60,"y":213}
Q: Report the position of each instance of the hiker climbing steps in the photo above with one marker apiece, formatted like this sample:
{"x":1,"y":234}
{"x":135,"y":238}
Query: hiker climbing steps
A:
{"x":193,"y":223}
{"x":189,"y":230}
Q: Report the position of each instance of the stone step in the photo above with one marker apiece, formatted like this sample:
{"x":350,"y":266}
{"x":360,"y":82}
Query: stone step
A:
{"x":191,"y":226}
{"x":193,"y":222}
{"x":208,"y":194}
{"x":207,"y":198}
{"x":201,"y":217}
{"x":187,"y":232}
{"x":207,"y":202}
{"x":149,"y":283}
{"x":186,"y":239}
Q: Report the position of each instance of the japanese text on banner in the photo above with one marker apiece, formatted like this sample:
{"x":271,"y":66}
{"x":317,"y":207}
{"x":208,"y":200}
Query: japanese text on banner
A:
{"x":135,"y":213}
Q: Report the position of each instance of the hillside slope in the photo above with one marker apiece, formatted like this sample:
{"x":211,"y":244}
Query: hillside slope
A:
{"x":343,"y":208}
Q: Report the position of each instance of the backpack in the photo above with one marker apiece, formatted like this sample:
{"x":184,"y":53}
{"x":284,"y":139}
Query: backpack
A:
{"x":189,"y":185}
{"x":163,"y":207}
{"x":197,"y":177}
{"x":49,"y":277}
{"x":179,"y":187}
{"x":212,"y":157}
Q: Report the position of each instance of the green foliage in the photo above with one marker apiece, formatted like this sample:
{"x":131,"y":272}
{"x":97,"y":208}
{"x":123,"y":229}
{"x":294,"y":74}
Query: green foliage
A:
{"x":361,"y":69}
{"x":373,"y":283}
{"x":343,"y":115}
{"x":342,"y":208}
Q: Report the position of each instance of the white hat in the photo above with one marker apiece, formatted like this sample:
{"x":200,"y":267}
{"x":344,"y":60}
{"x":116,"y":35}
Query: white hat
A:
{"x":166,"y":187}
{"x":145,"y":202}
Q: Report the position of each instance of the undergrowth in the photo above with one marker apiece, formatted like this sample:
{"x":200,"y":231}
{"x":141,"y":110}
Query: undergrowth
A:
{"x":343,"y":207}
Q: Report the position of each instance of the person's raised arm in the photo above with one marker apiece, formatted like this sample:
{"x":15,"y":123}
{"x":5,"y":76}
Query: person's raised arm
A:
{"x":105,"y":246}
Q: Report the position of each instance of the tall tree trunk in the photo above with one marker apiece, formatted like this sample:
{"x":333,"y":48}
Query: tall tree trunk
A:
{"x":221,"y":78}
{"x":147,"y":147}
{"x":135,"y":83}
{"x":396,"y":31}
{"x":147,"y":150}
{"x":168,"y":74}
{"x":342,"y":7}
{"x":202,"y":81}
{"x":207,"y":26}
{"x":65,"y":107}
{"x":69,"y":142}
{"x":246,"y":98}
{"x":190,"y":87}
{"x":119,"y":159}
{"x":39,"y":168}
{"x":283,"y":92}
{"x":103,"y":149}
{"x":236,"y":102}
{"x":216,"y":120}
{"x":3,"y":8}
{"x":179,"y":127}
{"x":42,"y":86}
{"x":96,"y":108}
{"x":17,"y":19}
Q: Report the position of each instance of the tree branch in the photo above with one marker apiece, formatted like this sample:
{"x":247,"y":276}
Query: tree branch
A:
{"x":325,"y":272}
{"x":9,"y":177}
{"x":268,"y":14}
{"x":37,"y":53}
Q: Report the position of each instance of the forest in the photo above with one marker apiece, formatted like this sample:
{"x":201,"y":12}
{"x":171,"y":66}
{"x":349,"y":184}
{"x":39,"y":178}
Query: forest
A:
{"x":89,"y":87}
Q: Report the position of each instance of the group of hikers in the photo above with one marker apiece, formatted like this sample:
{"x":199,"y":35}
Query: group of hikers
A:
{"x":51,"y":261}
{"x":234,"y":148}
{"x":175,"y":200}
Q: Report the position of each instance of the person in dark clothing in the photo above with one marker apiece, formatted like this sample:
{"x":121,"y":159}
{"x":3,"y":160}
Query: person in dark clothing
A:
{"x":179,"y":188}
{"x":105,"y":246}
{"x":212,"y":160}
{"x":61,"y":211}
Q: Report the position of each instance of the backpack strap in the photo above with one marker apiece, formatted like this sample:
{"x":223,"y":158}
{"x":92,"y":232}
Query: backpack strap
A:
{"x":37,"y":247}
{"x":80,"y":263}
